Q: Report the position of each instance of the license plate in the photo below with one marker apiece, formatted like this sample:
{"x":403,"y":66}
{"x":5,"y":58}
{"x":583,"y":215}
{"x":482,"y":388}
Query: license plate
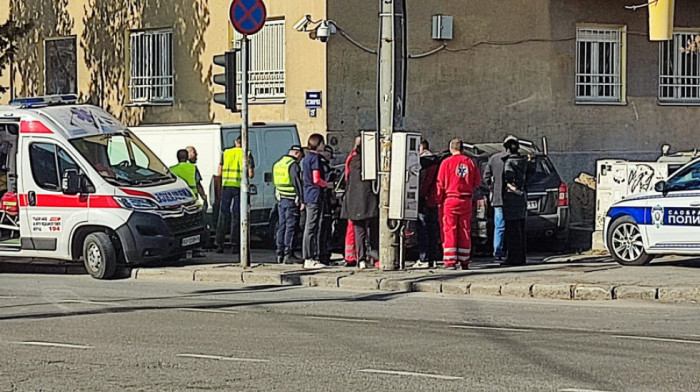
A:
{"x":532,"y":205}
{"x":190,"y":240}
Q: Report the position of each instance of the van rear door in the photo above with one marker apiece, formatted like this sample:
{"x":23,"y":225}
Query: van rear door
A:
{"x":277,"y":141}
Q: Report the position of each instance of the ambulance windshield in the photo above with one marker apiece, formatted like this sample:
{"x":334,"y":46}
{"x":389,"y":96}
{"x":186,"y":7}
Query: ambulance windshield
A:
{"x":122,"y":159}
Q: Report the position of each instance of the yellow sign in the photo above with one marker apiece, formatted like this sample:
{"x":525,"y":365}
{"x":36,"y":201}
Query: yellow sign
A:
{"x":661,"y":19}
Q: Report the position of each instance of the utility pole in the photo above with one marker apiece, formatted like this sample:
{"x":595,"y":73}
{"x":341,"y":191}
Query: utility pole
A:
{"x":245,"y":181}
{"x":390,"y":104}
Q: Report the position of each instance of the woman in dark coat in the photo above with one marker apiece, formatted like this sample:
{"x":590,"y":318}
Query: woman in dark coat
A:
{"x":361,"y":206}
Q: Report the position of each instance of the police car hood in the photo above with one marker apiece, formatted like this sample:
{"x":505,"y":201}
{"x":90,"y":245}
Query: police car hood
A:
{"x":170,"y":195}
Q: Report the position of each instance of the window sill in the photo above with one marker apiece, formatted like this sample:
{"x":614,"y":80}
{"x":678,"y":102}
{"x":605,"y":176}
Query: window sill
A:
{"x":265,"y":101}
{"x":679,"y":103}
{"x":140,"y":104}
{"x":601,"y":103}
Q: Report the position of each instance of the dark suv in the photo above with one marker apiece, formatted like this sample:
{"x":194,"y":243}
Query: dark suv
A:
{"x":547,"y":197}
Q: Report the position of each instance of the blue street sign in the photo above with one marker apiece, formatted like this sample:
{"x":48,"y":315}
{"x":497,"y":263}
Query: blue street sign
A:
{"x":248,"y":16}
{"x":314,"y":100}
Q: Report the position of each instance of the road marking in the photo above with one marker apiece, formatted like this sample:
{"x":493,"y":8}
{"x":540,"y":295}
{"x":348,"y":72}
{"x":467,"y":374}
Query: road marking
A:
{"x":342,"y":319}
{"x":402,"y":373}
{"x":207,"y":310}
{"x":220,"y":358}
{"x":490,"y":328}
{"x":657,"y":339}
{"x":7,"y":296}
{"x":579,"y":390}
{"x":78,"y":301}
{"x":49,"y":344}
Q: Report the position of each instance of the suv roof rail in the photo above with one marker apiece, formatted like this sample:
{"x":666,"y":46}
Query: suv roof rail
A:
{"x":42,"y":101}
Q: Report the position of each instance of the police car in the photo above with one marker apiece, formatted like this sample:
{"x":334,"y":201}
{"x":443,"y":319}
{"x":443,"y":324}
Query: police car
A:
{"x":664,"y":221}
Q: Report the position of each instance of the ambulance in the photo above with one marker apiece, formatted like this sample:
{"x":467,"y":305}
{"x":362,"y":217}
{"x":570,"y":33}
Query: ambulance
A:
{"x":77,"y":185}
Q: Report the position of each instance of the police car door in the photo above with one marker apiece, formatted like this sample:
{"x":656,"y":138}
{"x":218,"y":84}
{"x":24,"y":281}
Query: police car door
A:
{"x":675,"y":216}
{"x":50,"y":215}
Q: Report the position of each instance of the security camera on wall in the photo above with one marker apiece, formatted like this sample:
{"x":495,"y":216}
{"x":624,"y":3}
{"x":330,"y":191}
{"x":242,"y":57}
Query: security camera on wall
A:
{"x":303,"y":23}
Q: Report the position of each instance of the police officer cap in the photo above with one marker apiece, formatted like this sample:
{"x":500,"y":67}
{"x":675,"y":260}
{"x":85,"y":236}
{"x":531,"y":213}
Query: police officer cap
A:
{"x":509,"y":139}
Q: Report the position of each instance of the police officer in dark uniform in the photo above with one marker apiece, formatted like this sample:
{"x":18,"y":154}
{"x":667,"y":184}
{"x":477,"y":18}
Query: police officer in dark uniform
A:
{"x":514,"y":202}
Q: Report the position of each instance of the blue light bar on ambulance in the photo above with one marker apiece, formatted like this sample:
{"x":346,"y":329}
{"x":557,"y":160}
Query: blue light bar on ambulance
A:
{"x":48,"y":100}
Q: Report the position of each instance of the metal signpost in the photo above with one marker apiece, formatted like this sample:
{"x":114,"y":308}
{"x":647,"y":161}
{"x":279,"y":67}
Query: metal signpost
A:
{"x":247,"y":17}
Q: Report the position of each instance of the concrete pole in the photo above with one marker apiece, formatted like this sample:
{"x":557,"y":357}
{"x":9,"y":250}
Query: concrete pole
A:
{"x":244,"y":237}
{"x":387,"y":239}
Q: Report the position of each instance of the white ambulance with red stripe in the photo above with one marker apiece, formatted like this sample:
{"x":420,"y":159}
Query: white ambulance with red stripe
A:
{"x":77,"y":185}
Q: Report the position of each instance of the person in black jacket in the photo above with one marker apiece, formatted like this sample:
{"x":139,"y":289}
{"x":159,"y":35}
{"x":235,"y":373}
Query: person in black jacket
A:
{"x":514,"y":202}
{"x":361,"y":206}
{"x":493,"y":179}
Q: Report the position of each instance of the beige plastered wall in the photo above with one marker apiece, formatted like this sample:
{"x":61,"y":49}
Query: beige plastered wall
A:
{"x":200,"y":31}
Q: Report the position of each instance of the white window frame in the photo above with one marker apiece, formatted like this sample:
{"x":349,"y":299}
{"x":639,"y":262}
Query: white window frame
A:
{"x":46,"y":76}
{"x":151,"y":67}
{"x":601,"y":80}
{"x":267,"y":70}
{"x":679,"y":73}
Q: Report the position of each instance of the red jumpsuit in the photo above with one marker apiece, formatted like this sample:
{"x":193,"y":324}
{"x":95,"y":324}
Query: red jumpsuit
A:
{"x":350,"y":232}
{"x":456,"y":181}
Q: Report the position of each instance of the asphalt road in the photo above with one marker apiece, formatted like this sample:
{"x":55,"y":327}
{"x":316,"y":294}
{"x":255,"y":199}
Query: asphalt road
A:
{"x":61,"y":333}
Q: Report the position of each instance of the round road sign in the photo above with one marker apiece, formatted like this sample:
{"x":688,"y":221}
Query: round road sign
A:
{"x":247,"y":16}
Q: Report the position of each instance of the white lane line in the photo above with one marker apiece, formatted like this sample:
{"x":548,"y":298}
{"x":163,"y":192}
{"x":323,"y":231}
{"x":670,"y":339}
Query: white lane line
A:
{"x":657,"y":339}
{"x":220,"y":358}
{"x":7,"y":296}
{"x":402,"y":373}
{"x":490,"y":328}
{"x":342,"y":319}
{"x":207,"y":310}
{"x":579,"y":390}
{"x":693,"y":336}
{"x":49,"y":344}
{"x":79,"y":301}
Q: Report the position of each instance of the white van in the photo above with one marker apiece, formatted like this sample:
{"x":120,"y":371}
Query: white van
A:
{"x":267,"y":142}
{"x":79,"y":185}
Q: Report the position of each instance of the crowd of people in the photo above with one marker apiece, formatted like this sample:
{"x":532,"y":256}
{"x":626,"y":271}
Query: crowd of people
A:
{"x":304,"y":187}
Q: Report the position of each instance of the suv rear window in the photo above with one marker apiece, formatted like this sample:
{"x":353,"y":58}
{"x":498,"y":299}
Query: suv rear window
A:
{"x":539,"y":169}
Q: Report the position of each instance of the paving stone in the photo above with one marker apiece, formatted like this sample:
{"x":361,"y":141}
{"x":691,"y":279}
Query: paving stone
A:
{"x":262,"y":278}
{"x":455,"y":287}
{"x":519,"y":290}
{"x":219,"y":275}
{"x":679,"y":294}
{"x":635,"y":293}
{"x":405,"y":285}
{"x":593,"y":292}
{"x":176,"y":274}
{"x":322,"y":280}
{"x":427,"y":286}
{"x":551,"y":291}
{"x":359,"y":282}
{"x":487,"y":289}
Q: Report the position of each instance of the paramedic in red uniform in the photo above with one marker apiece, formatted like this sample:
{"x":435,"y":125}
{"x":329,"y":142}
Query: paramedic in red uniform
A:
{"x":456,"y":181}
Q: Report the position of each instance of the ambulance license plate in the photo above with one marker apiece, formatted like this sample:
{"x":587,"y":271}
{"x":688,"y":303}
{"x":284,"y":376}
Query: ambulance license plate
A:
{"x":190,"y":240}
{"x":532,"y":205}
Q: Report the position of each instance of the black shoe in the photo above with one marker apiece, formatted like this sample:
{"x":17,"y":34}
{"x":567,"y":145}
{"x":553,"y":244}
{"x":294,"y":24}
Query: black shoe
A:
{"x":280,"y":259}
{"x":291,"y":259}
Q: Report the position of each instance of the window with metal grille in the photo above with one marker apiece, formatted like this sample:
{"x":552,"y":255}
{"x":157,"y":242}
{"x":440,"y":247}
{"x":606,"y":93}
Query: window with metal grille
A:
{"x":266,"y":76}
{"x":151,"y":66}
{"x":599,"y":64}
{"x":679,"y":71}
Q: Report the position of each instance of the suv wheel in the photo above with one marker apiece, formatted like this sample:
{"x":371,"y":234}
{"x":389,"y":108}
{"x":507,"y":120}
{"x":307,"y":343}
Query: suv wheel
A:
{"x":625,"y":243}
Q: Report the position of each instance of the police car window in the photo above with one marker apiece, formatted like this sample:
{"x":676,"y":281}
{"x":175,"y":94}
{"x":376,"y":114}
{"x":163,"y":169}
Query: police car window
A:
{"x":686,"y":180}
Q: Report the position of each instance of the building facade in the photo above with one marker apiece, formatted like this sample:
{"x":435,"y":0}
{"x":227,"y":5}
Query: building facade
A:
{"x":150,"y":62}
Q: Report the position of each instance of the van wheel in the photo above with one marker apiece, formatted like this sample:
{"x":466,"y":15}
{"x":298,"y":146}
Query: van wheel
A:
{"x":625,"y":243}
{"x":99,"y":256}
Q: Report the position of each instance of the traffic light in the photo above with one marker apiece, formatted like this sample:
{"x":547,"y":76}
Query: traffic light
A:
{"x":661,"y":20}
{"x":227,"y":79}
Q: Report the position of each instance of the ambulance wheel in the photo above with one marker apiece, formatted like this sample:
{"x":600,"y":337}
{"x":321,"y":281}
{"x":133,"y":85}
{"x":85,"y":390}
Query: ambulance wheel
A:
{"x":625,"y":243}
{"x":99,"y":256}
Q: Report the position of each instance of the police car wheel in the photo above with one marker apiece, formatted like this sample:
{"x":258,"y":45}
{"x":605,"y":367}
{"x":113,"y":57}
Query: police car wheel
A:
{"x":99,"y":256}
{"x":625,"y":243}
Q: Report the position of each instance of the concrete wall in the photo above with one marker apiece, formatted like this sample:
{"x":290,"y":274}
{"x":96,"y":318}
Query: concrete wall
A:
{"x":484,"y":92}
{"x":200,"y":31}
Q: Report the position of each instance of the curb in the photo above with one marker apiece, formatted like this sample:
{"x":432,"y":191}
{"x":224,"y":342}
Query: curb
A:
{"x":352,"y":280}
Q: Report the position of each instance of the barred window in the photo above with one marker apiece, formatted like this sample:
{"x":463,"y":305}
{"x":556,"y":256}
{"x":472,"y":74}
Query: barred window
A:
{"x":599,"y":59}
{"x":679,"y":71}
{"x":266,"y":76}
{"x":151,"y":66}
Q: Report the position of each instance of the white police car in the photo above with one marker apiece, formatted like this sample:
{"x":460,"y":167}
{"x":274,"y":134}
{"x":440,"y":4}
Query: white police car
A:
{"x":664,"y":221}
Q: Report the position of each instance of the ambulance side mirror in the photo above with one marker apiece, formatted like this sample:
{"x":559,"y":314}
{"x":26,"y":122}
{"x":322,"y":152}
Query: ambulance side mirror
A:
{"x":71,"y":182}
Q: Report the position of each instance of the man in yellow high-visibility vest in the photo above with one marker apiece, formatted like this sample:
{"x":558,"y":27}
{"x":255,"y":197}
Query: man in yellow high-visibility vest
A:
{"x":189,"y":173}
{"x":289,"y":191}
{"x":231,"y":172}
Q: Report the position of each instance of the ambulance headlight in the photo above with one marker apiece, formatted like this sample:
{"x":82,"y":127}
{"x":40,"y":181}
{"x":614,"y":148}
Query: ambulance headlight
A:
{"x":136,"y":203}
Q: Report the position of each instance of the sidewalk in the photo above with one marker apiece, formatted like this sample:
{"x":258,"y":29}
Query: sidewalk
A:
{"x":576,"y":277}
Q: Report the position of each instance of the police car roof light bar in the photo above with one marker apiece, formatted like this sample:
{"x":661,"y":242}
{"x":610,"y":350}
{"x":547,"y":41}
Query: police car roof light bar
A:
{"x":42,"y":101}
